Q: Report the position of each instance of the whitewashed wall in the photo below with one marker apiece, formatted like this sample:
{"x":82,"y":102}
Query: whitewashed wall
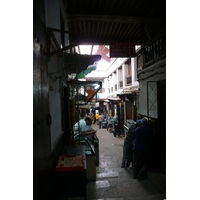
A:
{"x":54,"y":65}
{"x":143,"y":86}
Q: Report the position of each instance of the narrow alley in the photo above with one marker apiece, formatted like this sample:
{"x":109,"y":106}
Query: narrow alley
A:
{"x":112,"y":181}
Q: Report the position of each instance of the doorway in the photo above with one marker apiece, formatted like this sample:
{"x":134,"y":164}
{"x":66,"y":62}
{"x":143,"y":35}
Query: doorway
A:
{"x":162,"y":122}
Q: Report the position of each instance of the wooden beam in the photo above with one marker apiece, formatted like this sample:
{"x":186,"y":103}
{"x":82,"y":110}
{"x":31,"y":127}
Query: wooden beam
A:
{"x":105,"y":18}
{"x":58,"y":30}
{"x":54,"y":39}
{"x":62,"y":49}
{"x":91,"y":49}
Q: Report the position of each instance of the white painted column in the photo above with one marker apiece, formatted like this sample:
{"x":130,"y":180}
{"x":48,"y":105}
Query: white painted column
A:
{"x":117,"y":79}
{"x":123,"y":75}
{"x":133,"y":70}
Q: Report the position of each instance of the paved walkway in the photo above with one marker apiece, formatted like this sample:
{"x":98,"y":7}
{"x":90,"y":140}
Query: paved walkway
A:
{"x":112,"y":181}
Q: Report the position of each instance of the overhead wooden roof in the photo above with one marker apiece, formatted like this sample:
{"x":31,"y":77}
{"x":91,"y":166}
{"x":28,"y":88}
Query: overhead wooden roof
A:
{"x":100,"y":21}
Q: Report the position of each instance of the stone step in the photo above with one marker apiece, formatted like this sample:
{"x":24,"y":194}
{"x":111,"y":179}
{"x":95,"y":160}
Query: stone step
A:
{"x":158,"y":180}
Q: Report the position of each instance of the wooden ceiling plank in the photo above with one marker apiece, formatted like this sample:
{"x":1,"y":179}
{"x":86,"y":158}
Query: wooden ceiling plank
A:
{"x":100,"y":2}
{"x":81,"y":3}
{"x":122,"y":30}
{"x":130,"y":7}
{"x":106,"y":5}
{"x":110,"y":29}
{"x":87,"y":3}
{"x":114,"y":32}
{"x":84,"y":28}
{"x":97,"y":30}
{"x":112,"y":6}
{"x":136,"y":30}
{"x":127,"y":29}
{"x":74,"y":4}
{"x":130,"y":32}
{"x":101,"y":29}
{"x":120,"y":5}
{"x":126,"y":5}
{"x":93,"y":28}
{"x":105,"y":18}
{"x":89,"y":33}
{"x":106,"y":30}
{"x":80,"y":28}
{"x":119,"y":29}
{"x":94,"y":5}
{"x":139,"y":3}
{"x":75,"y":28}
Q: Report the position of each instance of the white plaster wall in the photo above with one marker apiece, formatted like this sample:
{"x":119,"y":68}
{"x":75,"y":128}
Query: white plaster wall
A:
{"x":116,"y":63}
{"x":126,"y":71}
{"x":111,"y":84}
{"x":103,"y":84}
{"x":106,"y":85}
{"x":142,"y":107}
{"x":52,"y":12}
{"x":114,"y":82}
{"x":53,"y":21}
{"x":120,"y":75}
{"x":123,"y":75}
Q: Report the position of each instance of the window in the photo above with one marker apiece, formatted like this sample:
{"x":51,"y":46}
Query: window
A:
{"x":115,"y":87}
{"x":121,"y":84}
{"x":129,"y":80}
{"x":111,"y":89}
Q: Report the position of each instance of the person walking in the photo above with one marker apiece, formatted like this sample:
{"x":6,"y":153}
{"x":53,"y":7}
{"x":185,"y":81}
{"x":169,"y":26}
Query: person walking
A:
{"x":100,"y":120}
{"x":116,"y":130}
{"x":142,"y":135}
{"x":128,"y":146}
{"x":97,"y":118}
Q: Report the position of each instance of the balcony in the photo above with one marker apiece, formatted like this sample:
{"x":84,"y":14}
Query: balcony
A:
{"x":155,"y":51}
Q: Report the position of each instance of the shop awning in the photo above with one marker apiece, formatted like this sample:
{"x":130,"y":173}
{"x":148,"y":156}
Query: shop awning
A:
{"x":114,"y":99}
{"x":129,"y":90}
{"x":76,"y":63}
{"x":127,"y":94}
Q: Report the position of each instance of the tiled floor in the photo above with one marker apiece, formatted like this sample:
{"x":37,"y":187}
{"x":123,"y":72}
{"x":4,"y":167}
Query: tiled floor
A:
{"x":112,"y":181}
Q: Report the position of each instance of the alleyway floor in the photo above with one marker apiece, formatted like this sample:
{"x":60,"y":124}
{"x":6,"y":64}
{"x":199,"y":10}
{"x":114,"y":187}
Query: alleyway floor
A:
{"x":112,"y":181}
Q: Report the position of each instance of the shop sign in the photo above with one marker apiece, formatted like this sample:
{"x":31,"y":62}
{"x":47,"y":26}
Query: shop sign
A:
{"x":122,"y":49}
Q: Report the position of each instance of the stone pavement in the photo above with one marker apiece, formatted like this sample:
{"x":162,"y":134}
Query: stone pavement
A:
{"x":112,"y":181}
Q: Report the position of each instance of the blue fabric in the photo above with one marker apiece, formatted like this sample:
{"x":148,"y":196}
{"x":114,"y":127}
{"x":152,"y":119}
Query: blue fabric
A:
{"x":130,"y":135}
{"x":127,"y":155}
{"x":141,"y":139}
{"x":100,"y":124}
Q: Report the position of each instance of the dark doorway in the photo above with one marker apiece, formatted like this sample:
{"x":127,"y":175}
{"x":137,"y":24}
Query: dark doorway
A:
{"x":161,"y":91}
